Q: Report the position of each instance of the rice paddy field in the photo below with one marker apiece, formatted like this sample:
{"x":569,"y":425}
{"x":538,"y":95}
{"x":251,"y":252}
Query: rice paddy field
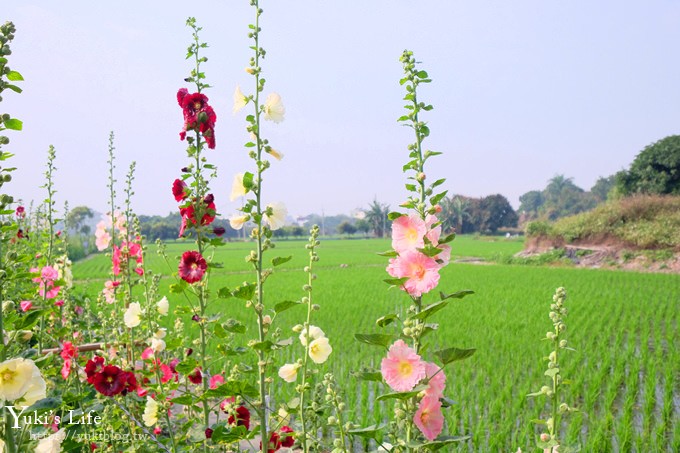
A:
{"x":623,"y":325}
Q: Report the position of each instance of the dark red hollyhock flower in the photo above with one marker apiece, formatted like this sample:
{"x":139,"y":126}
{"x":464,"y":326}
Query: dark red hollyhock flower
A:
{"x":20,"y":212}
{"x":219,"y":231}
{"x":208,"y":433}
{"x":92,"y":367}
{"x":20,"y":233}
{"x":192,"y":266}
{"x":179,"y":190}
{"x":198,"y":115}
{"x":130,"y":383}
{"x":242,"y":417}
{"x":111,"y":380}
{"x":93,"y":446}
{"x":287,"y":437}
{"x":188,"y":214}
{"x":196,"y":376}
{"x":274,"y":443}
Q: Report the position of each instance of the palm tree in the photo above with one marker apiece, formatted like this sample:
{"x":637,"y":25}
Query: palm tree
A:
{"x":376,"y":216}
{"x":455,"y":211}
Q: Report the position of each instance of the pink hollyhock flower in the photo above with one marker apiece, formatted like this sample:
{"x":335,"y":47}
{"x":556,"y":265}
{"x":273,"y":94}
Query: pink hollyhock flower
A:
{"x":59,"y":303}
{"x":147,"y":354}
{"x":157,"y":430}
{"x":25,"y":305}
{"x":216,"y":381}
{"x":422,"y":272}
{"x":116,"y":260}
{"x":166,"y":373}
{"x":66,"y":369}
{"x":402,"y":369}
{"x":445,"y":255}
{"x":437,"y":380}
{"x":49,"y":273}
{"x":433,"y":234}
{"x":102,"y":236}
{"x":141,"y":392}
{"x":192,"y":266}
{"x":78,"y":310}
{"x":407,"y":233}
{"x":429,"y":418}
{"x":20,"y":212}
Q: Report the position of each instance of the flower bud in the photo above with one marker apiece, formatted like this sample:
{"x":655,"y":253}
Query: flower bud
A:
{"x":545,"y":437}
{"x":563,"y":343}
{"x":297,"y":328}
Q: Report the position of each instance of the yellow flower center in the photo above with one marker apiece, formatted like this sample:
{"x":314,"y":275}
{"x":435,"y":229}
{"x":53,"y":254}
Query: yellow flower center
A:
{"x":411,"y":234}
{"x":313,"y":349}
{"x":7,"y":376}
{"x":424,"y":417}
{"x":405,"y":368}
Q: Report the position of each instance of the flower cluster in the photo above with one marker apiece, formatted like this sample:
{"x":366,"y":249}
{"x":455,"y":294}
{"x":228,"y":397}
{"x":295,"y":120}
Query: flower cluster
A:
{"x":102,"y":236}
{"x":48,"y":276}
{"x":277,"y":440}
{"x":420,"y":256}
{"x":68,"y":352}
{"x":126,"y":252}
{"x":198,"y":115}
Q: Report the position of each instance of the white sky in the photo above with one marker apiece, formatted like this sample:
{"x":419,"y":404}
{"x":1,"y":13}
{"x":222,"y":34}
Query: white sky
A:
{"x":522,"y":90}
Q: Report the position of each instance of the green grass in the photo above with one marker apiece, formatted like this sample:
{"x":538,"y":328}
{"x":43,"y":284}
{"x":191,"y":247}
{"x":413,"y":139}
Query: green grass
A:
{"x":623,"y":325}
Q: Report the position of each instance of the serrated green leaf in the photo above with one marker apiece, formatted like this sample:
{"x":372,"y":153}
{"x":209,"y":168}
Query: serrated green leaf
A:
{"x":369,"y":432}
{"x":438,"y":182}
{"x":375,"y":339}
{"x":234,"y":326}
{"x":422,"y":74}
{"x":14,"y":124}
{"x":223,"y":434}
{"x":245,"y":291}
{"x":44,"y":405}
{"x":224,"y":293}
{"x":280,"y":260}
{"x":403,"y":118}
{"x":219,"y":331}
{"x":394,"y":215}
{"x":185,"y":400}
{"x":430,"y":251}
{"x":449,"y":355}
{"x":448,"y":238}
{"x":439,"y":443}
{"x":429,"y":310}
{"x":28,"y":321}
{"x":411,"y":187}
{"x":368,"y":375}
{"x":437,"y":198}
{"x":456,"y":295}
{"x":186,"y":366}
{"x":402,"y":395}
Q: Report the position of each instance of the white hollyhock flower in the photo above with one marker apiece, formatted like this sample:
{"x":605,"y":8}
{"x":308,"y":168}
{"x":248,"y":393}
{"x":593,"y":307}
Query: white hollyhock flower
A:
{"x":314,"y":333}
{"x":288,"y":372}
{"x":237,"y":221}
{"x":20,"y":378}
{"x":133,"y":315}
{"x":277,"y":218}
{"x":237,"y":187}
{"x":273,"y":108}
{"x":150,"y":415}
{"x":319,"y":350}
{"x":240,"y":100}
{"x":274,"y":153}
{"x":51,"y":443}
{"x":157,"y":345}
{"x":163,"y":306}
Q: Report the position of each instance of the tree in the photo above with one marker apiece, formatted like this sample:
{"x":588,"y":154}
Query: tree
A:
{"x":455,"y":211}
{"x":496,"y":212}
{"x":346,"y":228}
{"x":602,"y":187}
{"x":531,"y":202}
{"x":75,"y":218}
{"x":376,"y":216}
{"x":655,"y":170}
{"x":362,"y":226}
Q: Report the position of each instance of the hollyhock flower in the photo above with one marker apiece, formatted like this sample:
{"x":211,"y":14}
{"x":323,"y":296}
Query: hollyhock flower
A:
{"x":198,"y":115}
{"x":319,"y":350}
{"x":239,"y":416}
{"x":188,"y":214}
{"x":150,"y":415}
{"x":163,"y":306}
{"x":437,"y":380}
{"x":92,"y":367}
{"x":103,"y":238}
{"x":273,"y":108}
{"x":49,"y":273}
{"x":51,"y":443}
{"x":68,"y":352}
{"x":274,"y":153}
{"x":237,"y":187}
{"x":157,"y":345}
{"x":192,"y":266}
{"x":208,"y":433}
{"x":445,"y":255}
{"x":422,"y":272}
{"x":111,"y":380}
{"x":115,"y":259}
{"x":287,"y":439}
{"x":219,"y":231}
{"x":148,"y":354}
{"x":274,"y":443}
{"x":180,"y":190}
{"x":167,"y":373}
{"x":196,"y":377}
{"x":78,"y":310}
{"x":133,"y":315}
{"x":20,"y":378}
{"x":402,"y":369}
{"x":275,"y":215}
{"x":160,"y":333}
{"x":142,"y":392}
{"x":314,"y":333}
{"x":237,"y":221}
{"x":20,"y":212}
{"x":288,"y":372}
{"x":433,"y":234}
{"x":429,"y":418}
{"x":216,"y":381}
{"x":407,"y":233}
{"x":25,"y":305}
{"x":59,"y":303}
{"x":240,"y":100}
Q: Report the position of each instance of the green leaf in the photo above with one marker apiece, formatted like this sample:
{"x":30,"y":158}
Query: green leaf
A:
{"x":14,"y":88}
{"x":438,"y":182}
{"x":437,"y":198}
{"x":456,"y":295}
{"x":369,"y":432}
{"x":232,"y":388}
{"x":28,"y":321}
{"x":429,"y":310}
{"x":447,"y":239}
{"x":224,"y":293}
{"x":439,"y":443}
{"x":430,"y":251}
{"x":224,"y":434}
{"x":422,"y":74}
{"x":387,"y":319}
{"x":396,"y":281}
{"x":178,"y":287}
{"x":280,"y":260}
{"x":402,"y":395}
{"x":368,"y":375}
{"x":186,"y":399}
{"x":44,"y":405}
{"x":186,"y":366}
{"x":425,"y":131}
{"x":375,"y":339}
{"x":403,"y":118}
{"x":431,"y":153}
{"x":285,"y":305}
{"x":394,"y":215}
{"x":411,"y":187}
{"x":449,"y":355}
{"x":245,"y":291}
{"x":14,"y":124}
{"x":219,"y":331}
{"x":234,"y":326}
{"x":389,"y":254}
